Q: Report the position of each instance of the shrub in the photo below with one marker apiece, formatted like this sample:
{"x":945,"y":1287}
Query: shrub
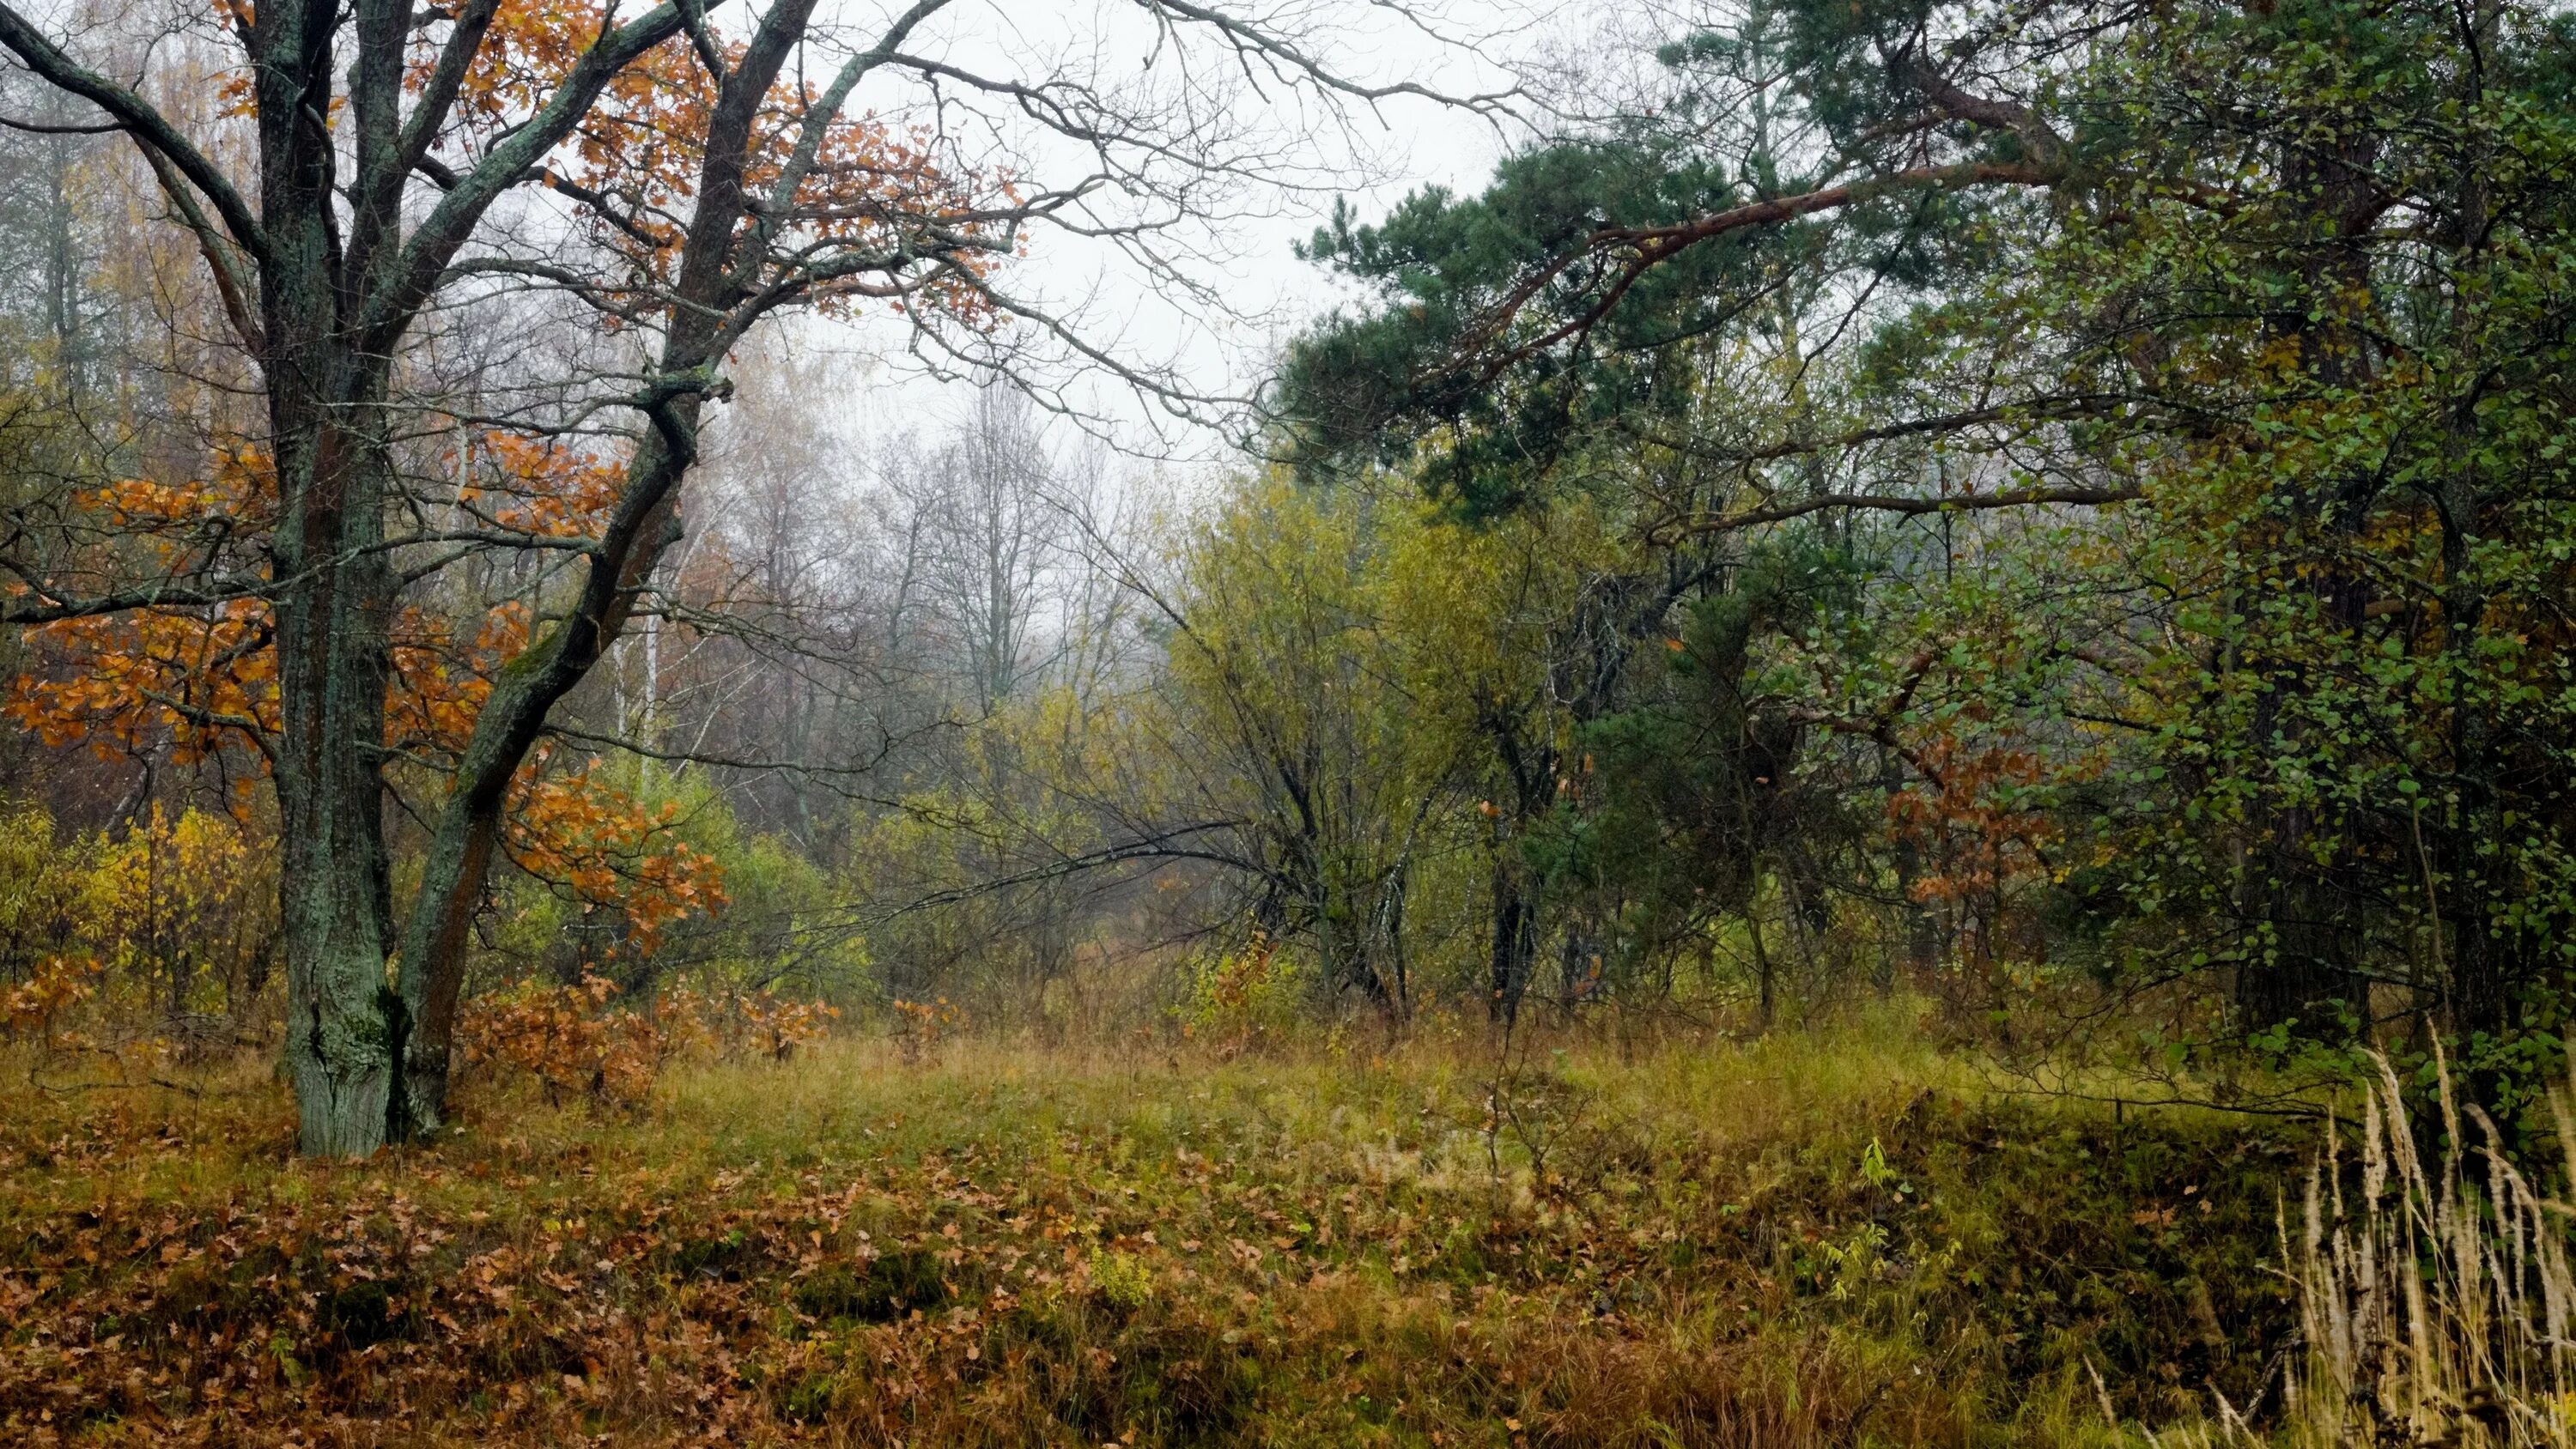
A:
{"x":57,"y":984}
{"x":1239,"y":999}
{"x":577,"y":1042}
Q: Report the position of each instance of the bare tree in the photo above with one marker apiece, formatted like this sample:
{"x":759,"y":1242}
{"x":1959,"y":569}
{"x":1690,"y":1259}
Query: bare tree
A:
{"x":980,"y":517}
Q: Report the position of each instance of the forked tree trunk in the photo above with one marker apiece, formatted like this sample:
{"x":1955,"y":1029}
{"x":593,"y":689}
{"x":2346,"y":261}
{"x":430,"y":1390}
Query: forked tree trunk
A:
{"x":420,"y":1010}
{"x":341,"y":266}
{"x":331,"y":614}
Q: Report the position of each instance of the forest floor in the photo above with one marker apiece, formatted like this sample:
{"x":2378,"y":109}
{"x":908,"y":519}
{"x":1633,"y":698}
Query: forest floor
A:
{"x":1821,"y":1239}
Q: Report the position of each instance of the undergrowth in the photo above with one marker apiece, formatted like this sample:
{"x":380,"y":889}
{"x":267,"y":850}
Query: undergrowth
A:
{"x":1825,"y":1240}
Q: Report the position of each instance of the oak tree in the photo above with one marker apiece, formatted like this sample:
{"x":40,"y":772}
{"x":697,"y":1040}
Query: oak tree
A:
{"x":680,"y":174}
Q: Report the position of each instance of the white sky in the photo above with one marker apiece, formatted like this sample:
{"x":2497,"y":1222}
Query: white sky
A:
{"x":1373,"y":155}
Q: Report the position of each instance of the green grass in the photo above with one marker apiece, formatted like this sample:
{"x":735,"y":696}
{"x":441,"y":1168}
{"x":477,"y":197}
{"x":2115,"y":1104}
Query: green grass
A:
{"x":1693,"y":1245}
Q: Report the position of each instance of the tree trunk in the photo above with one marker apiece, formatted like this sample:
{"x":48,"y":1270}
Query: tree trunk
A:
{"x":1765,"y":1005}
{"x":432,"y":960}
{"x":343,"y":1030}
{"x":1514,"y":945}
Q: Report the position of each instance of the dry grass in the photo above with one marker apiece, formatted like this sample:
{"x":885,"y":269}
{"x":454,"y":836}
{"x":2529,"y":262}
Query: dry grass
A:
{"x":2435,"y":1291}
{"x":1693,"y":1245}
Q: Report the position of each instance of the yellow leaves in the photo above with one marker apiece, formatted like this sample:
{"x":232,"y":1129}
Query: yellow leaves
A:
{"x":528,"y":49}
{"x":172,"y":873}
{"x":144,"y":922}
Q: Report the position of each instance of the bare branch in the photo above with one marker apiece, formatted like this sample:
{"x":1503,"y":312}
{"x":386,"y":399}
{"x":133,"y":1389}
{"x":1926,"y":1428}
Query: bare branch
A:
{"x":137,"y":118}
{"x":1901,"y":504}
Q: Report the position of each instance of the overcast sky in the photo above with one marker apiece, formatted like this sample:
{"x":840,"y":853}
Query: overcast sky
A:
{"x":1374,"y":155}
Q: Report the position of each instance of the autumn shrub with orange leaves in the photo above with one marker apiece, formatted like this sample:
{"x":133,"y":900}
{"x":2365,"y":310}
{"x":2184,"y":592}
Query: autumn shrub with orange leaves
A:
{"x":579,"y":1042}
{"x":567,"y":1039}
{"x":1985,"y":823}
{"x":920,"y":1026}
{"x":55,"y":985}
{"x":739,"y":1024}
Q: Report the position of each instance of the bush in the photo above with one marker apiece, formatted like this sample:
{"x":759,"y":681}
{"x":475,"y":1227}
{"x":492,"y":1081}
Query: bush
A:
{"x":577,"y":1042}
{"x":1239,"y":999}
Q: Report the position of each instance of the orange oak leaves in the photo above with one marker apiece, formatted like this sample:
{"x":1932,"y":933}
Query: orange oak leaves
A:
{"x":200,"y":681}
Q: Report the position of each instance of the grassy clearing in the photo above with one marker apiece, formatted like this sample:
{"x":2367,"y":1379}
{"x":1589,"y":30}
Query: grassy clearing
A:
{"x":1683,"y":1247}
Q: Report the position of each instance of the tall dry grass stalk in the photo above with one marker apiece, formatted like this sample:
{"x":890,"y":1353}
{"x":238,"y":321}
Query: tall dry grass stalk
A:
{"x":2435,"y":1295}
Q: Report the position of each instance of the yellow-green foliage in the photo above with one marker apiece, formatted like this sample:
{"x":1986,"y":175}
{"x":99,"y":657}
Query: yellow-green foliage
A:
{"x":999,"y":945}
{"x":190,"y":901}
{"x":172,"y":917}
{"x":1247,"y":995}
{"x":1319,"y":731}
{"x":37,"y":890}
{"x":767,"y":932}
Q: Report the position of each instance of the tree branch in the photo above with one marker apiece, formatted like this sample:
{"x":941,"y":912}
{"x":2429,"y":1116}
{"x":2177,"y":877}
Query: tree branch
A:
{"x":38,"y":604}
{"x":136,"y":117}
{"x":231,"y":288}
{"x":1898,"y":503}
{"x":453,"y":220}
{"x":438,"y":92}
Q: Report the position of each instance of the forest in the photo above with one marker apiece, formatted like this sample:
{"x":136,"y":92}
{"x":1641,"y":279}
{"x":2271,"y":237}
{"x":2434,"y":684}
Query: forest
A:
{"x":1754,"y":723}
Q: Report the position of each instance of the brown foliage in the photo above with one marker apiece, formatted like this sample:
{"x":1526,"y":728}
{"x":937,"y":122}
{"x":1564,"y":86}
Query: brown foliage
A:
{"x":578,"y":1042}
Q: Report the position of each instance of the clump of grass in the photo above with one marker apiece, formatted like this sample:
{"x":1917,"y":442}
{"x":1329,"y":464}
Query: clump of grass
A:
{"x":879,"y":1288}
{"x":2434,"y":1289}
